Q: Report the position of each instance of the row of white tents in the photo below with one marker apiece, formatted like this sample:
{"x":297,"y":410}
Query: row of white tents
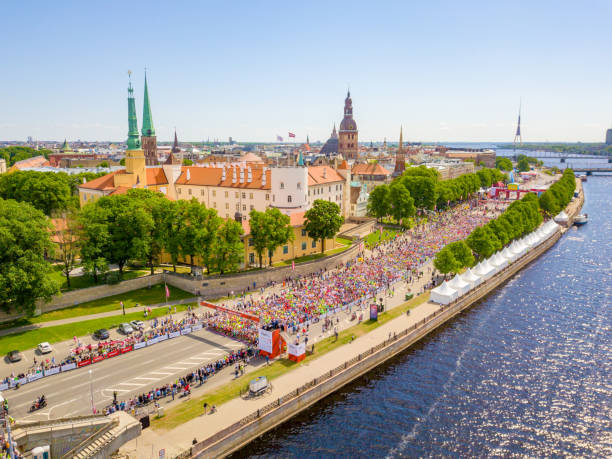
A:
{"x":461,"y":284}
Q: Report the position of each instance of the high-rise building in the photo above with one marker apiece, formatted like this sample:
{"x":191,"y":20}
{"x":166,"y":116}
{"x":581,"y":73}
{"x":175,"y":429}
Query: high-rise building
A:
{"x":609,"y":137}
{"x":348,"y":141}
{"x":149,"y":140}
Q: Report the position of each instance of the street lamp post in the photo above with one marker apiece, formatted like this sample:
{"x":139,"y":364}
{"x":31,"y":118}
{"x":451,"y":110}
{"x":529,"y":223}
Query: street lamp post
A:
{"x":93,"y":408}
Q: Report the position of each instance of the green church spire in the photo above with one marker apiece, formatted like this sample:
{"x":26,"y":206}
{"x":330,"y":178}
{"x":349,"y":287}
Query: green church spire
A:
{"x":147,"y":118}
{"x":133,"y":141}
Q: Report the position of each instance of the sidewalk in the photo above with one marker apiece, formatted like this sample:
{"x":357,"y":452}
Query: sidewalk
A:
{"x":116,"y":312}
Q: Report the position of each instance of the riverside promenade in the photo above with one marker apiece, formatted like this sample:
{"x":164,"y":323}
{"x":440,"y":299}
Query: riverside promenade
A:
{"x":239,"y":421}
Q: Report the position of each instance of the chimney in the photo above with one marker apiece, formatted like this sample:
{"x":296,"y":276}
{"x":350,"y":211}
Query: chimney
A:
{"x":249,"y":175}
{"x":223,"y":175}
{"x":234,"y":177}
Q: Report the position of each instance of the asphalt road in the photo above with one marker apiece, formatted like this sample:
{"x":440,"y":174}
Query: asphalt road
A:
{"x":69,"y":393}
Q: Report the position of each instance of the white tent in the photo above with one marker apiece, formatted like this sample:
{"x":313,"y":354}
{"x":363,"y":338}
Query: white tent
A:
{"x":562,"y":217}
{"x":508,"y":254}
{"x":471,"y":278}
{"x":443,"y":294}
{"x":498,"y":262}
{"x":520,"y":248}
{"x":460,"y":285}
{"x":478,"y":271}
{"x":487,"y":269}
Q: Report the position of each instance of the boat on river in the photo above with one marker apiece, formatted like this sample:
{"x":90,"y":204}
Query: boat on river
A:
{"x":581,"y":219}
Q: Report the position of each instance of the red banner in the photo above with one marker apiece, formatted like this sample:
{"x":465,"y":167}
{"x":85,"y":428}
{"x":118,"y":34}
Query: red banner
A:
{"x":126,"y":349}
{"x":98,"y":358}
{"x":83,"y":363}
{"x":112,"y":353}
{"x":230,"y":311}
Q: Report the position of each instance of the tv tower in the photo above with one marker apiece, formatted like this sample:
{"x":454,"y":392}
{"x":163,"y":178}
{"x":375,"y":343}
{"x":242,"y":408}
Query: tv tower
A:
{"x":518,"y":137}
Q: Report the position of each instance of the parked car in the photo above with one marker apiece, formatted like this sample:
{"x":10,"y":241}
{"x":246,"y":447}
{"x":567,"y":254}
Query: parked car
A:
{"x":14,"y":356}
{"x":45,"y":348}
{"x":101,"y":334}
{"x":126,"y":328}
{"x":137,"y":324}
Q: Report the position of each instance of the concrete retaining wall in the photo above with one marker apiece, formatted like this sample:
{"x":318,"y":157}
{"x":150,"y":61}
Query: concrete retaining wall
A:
{"x":237,"y":436}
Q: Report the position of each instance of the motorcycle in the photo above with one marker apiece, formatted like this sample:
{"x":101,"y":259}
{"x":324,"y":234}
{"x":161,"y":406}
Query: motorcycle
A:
{"x":38,"y":404}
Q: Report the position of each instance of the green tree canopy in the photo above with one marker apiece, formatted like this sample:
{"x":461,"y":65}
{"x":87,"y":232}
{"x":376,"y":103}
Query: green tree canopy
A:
{"x":46,"y":191}
{"x":16,"y":153}
{"x":422,"y":189}
{"x":24,"y":272}
{"x":503,"y":164}
{"x":523,"y":165}
{"x":229,"y":250}
{"x":379,"y":204}
{"x":445,"y":261}
{"x":462,"y":253}
{"x":279,"y":230}
{"x":323,"y":221}
{"x":483,"y":242}
{"x":402,"y":204}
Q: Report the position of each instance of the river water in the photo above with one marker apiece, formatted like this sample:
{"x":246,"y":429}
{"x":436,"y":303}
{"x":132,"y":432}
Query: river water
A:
{"x":526,"y":372}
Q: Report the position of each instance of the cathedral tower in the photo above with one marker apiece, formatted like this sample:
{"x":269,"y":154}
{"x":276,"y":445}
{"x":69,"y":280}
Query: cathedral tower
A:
{"x":149,"y":141}
{"x":348,"y":142}
{"x":400,"y":157}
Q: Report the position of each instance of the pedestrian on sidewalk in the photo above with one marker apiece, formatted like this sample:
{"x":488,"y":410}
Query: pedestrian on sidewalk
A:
{"x":205,"y":407}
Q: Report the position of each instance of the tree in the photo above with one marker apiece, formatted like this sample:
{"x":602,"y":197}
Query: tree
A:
{"x":503,"y":164}
{"x":323,"y":221}
{"x":279,"y":230}
{"x":229,"y":249}
{"x":198,"y":231}
{"x":187,"y":162}
{"x":260,"y":232}
{"x":24,"y":272}
{"x":379,"y":205}
{"x":523,"y":165}
{"x":402,"y":204}
{"x":445,"y":261}
{"x":421,"y":171}
{"x":462,"y":253}
{"x":483,"y":242}
{"x":103,"y":164}
{"x":122,"y":162}
{"x":67,"y":235}
{"x":422,"y":189}
{"x":13,"y":154}
{"x":93,"y":240}
{"x":46,"y":191}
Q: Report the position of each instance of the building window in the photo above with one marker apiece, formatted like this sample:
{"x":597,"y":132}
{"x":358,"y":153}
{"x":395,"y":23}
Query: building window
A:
{"x":314,"y":243}
{"x":214,"y":192}
{"x":227,"y":205}
{"x":330,"y":189}
{"x":252,"y":207}
{"x":250,"y":195}
{"x":251,"y":258}
{"x":299,"y":185}
{"x":286,"y":249}
{"x":238,"y":207}
{"x":267,"y":196}
{"x":243,"y":195}
{"x":202,"y":192}
{"x":303,"y":232}
{"x":179,"y":191}
{"x":237,"y":195}
{"x":282,"y":186}
{"x":189,"y":191}
{"x":273,"y":198}
{"x":303,"y":246}
{"x":226,"y":194}
{"x":244,"y":208}
{"x":250,"y":242}
{"x":289,"y":198}
{"x":215,"y":205}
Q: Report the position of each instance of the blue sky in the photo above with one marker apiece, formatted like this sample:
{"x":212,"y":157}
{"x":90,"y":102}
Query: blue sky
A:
{"x":446,"y":71}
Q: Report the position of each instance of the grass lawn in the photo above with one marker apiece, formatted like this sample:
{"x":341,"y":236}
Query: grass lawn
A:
{"x":85,"y":281}
{"x":315,"y":256}
{"x":156,"y":294}
{"x":30,"y":339}
{"x":374,"y":238}
{"x":193,"y":408}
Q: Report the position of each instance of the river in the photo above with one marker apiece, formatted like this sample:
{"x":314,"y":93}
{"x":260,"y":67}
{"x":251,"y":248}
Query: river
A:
{"x":526,"y":372}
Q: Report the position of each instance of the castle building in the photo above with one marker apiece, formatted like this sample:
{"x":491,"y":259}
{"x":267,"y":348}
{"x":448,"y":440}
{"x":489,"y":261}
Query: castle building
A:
{"x":149,"y":140}
{"x":348,"y":138}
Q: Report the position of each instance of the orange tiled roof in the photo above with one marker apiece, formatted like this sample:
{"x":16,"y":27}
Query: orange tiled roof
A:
{"x":120,"y":190}
{"x":319,"y":175}
{"x":104,"y":183}
{"x":35,"y":161}
{"x":369,"y":169}
{"x":343,"y":165}
{"x":156,"y":176}
{"x":212,"y":176}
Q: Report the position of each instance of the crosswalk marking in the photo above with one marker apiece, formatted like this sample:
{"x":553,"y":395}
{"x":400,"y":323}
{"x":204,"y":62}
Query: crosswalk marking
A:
{"x":175,"y":368}
{"x":148,"y":379}
{"x":130,"y":384}
{"x":165,"y":373}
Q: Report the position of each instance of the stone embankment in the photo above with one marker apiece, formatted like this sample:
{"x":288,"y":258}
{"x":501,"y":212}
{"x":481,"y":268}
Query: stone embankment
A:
{"x":229,"y":438}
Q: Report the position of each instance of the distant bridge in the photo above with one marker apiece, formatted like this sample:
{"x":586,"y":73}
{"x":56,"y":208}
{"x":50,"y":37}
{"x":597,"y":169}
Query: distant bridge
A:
{"x":591,"y":170}
{"x":561,"y":156}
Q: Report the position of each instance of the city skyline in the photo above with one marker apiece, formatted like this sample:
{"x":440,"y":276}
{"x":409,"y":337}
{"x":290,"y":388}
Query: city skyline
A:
{"x":445,"y":73}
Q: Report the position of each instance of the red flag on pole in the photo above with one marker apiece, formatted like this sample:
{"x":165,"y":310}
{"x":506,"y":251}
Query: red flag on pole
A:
{"x":291,"y":134}
{"x":167,"y":291}
{"x":293,"y":265}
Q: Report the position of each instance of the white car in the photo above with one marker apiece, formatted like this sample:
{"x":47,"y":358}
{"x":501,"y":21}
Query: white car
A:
{"x":45,"y":348}
{"x":137,"y":324}
{"x":126,"y":328}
